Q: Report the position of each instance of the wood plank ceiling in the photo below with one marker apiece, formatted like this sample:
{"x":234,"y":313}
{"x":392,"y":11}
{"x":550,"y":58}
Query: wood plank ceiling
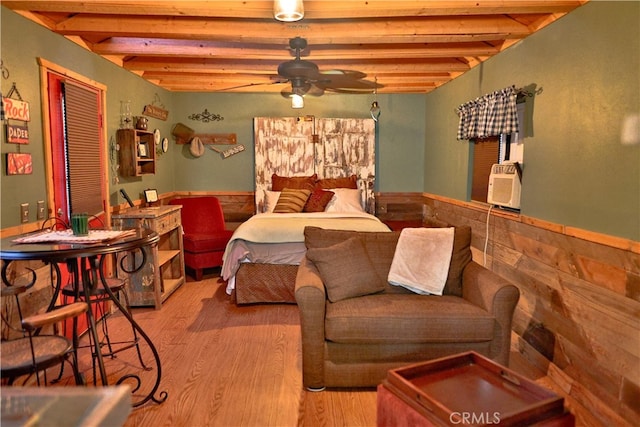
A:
{"x":201,"y":46}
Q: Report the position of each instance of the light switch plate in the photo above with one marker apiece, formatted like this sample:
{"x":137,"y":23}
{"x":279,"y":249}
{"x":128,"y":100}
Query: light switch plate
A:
{"x":24,"y":212}
{"x":40,"y":211}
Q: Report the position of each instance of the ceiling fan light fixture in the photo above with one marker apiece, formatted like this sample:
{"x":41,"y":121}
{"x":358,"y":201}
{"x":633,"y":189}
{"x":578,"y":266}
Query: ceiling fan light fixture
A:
{"x":297,"y":101}
{"x":288,"y":10}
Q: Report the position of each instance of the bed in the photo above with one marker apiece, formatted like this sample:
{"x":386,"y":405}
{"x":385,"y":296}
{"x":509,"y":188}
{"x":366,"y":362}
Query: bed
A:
{"x":264,"y":252}
{"x":331,"y":159}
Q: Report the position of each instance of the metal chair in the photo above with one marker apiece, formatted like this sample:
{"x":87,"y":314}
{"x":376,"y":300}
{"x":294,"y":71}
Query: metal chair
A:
{"x":99,"y":297}
{"x":33,"y":352}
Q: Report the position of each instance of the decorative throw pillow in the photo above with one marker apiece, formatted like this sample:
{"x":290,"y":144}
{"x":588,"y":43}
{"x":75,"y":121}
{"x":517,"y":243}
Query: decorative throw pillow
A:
{"x":348,"y":182}
{"x":460,"y":257}
{"x":345,"y":200}
{"x":279,"y":183}
{"x":318,"y":200}
{"x":346,"y":270}
{"x":270,"y":200}
{"x":291,"y":200}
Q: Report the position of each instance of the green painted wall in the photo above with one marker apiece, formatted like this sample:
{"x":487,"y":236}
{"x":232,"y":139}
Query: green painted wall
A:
{"x":399,"y":136}
{"x":576,"y":171}
{"x":400,"y":133}
{"x":22,"y":42}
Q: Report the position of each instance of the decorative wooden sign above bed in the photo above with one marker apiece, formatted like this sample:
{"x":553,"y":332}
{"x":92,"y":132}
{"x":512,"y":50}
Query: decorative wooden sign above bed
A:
{"x":285,"y":146}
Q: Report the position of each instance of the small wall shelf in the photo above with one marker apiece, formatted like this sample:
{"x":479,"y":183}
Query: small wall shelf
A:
{"x":137,"y":153}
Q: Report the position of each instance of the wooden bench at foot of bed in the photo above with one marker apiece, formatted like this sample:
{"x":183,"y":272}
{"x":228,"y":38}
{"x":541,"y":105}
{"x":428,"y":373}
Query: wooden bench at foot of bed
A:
{"x":265,"y":283}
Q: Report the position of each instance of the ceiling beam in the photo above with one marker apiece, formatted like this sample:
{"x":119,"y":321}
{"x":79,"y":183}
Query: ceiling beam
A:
{"x":262,"y":9}
{"x":193,"y":48}
{"x":414,"y":30}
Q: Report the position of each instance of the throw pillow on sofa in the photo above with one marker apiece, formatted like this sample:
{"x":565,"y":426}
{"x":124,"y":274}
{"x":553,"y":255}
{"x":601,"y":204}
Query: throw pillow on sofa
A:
{"x":346,"y":270}
{"x":381,"y":248}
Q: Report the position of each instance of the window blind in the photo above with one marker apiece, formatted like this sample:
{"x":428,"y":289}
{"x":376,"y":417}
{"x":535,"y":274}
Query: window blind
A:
{"x":82,"y":142}
{"x":485,"y":154}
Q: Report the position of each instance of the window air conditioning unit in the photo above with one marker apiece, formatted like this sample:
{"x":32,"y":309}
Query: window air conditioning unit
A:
{"x":504,"y":185}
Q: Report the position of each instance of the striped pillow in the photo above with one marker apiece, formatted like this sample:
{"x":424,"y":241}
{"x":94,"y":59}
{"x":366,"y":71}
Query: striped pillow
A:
{"x":291,"y":200}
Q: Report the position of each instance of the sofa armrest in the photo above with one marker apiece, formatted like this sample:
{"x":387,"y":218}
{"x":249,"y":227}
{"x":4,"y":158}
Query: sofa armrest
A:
{"x":311,"y":298}
{"x":496,"y":295}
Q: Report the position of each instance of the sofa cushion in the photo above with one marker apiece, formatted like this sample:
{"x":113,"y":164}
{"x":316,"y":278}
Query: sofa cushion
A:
{"x":346,"y":270}
{"x":381,"y":247}
{"x":206,"y":242}
{"x":460,"y":257}
{"x":402,"y":318}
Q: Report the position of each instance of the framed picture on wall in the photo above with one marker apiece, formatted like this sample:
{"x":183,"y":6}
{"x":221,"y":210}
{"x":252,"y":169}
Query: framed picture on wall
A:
{"x":151,"y":195}
{"x":143,"y":150}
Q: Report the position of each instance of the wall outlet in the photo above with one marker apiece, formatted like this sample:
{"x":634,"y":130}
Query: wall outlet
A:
{"x":40,"y":211}
{"x":24,"y":212}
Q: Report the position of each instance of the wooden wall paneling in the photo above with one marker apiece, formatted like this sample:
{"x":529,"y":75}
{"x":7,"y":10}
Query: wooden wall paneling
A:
{"x":578,"y":295}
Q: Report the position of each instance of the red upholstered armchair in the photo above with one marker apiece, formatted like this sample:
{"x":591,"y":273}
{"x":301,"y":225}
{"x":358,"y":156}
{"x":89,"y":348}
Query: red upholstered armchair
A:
{"x":205,"y":236}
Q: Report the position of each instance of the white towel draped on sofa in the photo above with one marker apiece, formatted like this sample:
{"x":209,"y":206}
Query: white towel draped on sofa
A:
{"x":422,"y":258}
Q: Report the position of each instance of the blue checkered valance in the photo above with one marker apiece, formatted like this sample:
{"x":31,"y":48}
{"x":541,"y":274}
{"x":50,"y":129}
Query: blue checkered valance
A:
{"x":489,"y":115}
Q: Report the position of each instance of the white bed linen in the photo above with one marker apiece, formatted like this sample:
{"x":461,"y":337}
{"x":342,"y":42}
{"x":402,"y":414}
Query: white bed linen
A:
{"x":261,"y":238}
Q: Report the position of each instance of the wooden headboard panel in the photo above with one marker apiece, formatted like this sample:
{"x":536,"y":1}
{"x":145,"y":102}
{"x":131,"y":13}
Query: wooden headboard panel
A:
{"x":344,"y":147}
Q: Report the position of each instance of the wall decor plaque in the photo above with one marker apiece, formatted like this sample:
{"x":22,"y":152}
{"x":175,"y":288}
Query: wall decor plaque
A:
{"x":16,"y":109}
{"x":19,"y":164}
{"x":155,"y":112}
{"x":17,"y":134}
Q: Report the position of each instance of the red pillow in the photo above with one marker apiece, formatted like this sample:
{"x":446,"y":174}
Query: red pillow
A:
{"x":318,"y":200}
{"x":349,"y":182}
{"x":279,"y":183}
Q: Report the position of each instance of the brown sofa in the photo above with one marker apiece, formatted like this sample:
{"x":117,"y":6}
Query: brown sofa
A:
{"x":354,"y":341}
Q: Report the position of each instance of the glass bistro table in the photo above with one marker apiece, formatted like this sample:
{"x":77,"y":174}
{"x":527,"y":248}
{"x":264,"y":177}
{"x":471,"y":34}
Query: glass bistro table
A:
{"x":85,"y":259}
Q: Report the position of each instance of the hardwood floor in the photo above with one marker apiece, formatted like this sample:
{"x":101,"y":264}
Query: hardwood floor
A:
{"x":225,"y":365}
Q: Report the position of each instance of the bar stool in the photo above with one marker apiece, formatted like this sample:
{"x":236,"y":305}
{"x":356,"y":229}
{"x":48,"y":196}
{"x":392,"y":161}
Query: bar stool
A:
{"x":99,"y":296}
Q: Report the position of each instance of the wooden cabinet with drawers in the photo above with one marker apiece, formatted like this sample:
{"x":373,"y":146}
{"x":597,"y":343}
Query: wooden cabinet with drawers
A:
{"x":164,"y":271}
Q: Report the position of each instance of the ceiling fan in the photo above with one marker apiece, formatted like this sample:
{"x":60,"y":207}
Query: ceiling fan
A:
{"x":306,"y":78}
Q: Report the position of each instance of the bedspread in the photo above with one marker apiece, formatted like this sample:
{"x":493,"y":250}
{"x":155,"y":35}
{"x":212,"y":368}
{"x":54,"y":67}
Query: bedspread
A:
{"x":278,"y":238}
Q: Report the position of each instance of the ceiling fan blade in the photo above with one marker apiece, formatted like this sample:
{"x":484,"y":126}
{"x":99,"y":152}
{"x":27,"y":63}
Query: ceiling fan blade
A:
{"x":351,"y":74}
{"x":349,"y":90}
{"x":307,"y":79}
{"x":249,"y":85}
{"x":349,"y":84}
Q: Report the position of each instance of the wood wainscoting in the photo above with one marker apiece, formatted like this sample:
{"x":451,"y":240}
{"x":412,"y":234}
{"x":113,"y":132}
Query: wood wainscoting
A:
{"x":578,"y":318}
